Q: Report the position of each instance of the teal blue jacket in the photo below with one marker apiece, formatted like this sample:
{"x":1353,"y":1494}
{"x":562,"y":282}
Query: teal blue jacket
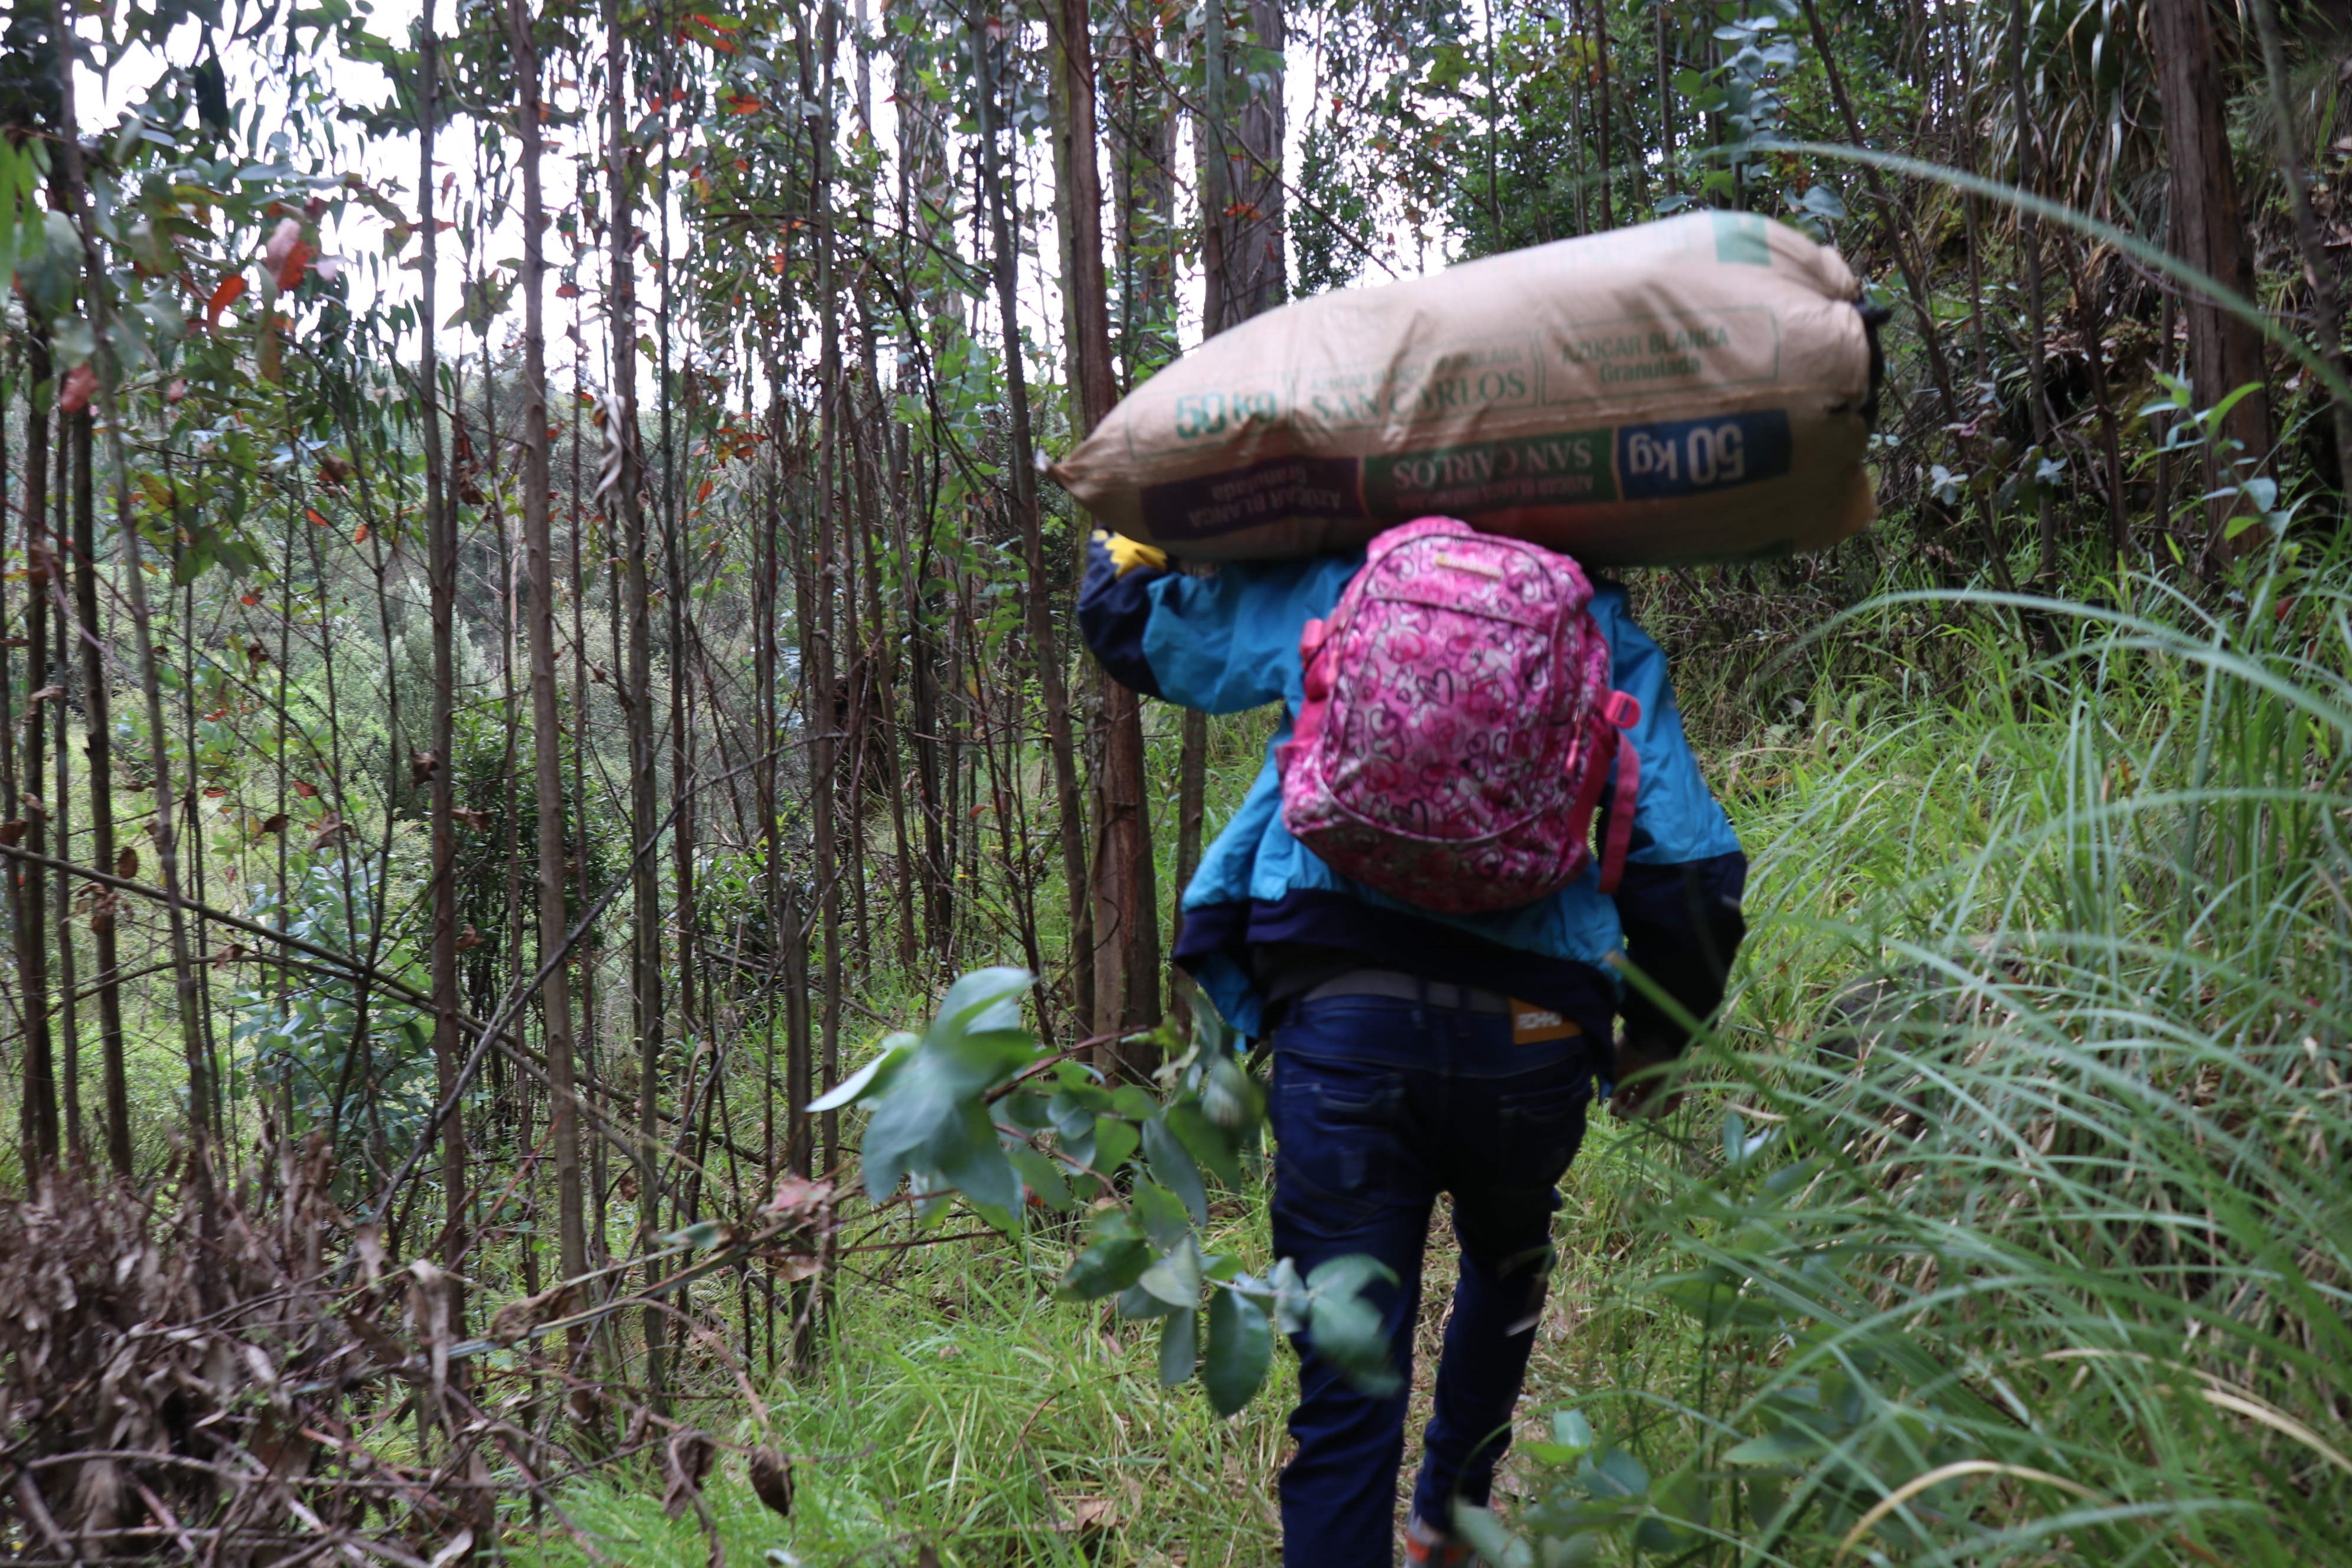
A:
{"x":1229,"y":642}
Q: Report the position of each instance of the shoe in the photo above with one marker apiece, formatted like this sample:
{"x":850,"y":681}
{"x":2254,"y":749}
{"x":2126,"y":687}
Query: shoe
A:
{"x":1424,"y":1543}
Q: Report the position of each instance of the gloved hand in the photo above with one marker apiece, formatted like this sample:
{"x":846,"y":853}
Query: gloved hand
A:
{"x":1127,"y":554}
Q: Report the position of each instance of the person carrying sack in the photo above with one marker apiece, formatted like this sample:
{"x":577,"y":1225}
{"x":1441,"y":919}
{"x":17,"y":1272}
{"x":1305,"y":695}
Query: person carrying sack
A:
{"x":1408,"y":904}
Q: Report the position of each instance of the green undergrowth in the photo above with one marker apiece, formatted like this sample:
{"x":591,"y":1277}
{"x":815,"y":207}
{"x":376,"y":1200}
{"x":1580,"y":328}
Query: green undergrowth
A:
{"x":2005,"y":1224}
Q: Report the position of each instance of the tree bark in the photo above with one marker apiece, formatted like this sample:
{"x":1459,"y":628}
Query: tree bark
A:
{"x":546,"y":731}
{"x":2318,"y":272}
{"x":38,"y":1105}
{"x":626,"y":480}
{"x":1043,"y":646}
{"x":187,"y":991}
{"x":441,"y":586}
{"x":1126,"y":905}
{"x":98,"y":747}
{"x":2225,"y":351}
{"x":1241,"y":189}
{"x":2028,"y":263}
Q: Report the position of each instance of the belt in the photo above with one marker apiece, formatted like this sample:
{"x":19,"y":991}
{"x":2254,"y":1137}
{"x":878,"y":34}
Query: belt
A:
{"x":1406,"y":988}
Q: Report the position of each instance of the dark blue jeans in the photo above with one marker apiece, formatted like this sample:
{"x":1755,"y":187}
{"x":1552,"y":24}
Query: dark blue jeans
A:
{"x":1378,"y":1106}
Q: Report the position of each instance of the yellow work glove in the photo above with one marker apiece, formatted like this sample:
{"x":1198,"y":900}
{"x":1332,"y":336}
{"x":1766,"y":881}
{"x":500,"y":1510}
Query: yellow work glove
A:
{"x":1127,"y":554}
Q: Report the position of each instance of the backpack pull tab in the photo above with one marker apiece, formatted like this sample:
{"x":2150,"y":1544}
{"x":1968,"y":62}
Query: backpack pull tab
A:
{"x":1625,"y":793}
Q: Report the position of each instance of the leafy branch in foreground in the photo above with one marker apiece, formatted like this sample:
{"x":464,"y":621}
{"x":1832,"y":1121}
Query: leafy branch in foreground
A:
{"x":975,"y":1106}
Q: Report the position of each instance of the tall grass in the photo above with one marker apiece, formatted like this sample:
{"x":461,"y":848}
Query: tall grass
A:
{"x":2019,"y":1231}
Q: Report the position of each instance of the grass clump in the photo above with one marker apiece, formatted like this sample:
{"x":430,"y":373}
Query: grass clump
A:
{"x":2019,"y":1232}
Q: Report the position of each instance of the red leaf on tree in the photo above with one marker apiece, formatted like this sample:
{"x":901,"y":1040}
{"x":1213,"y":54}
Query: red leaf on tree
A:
{"x":81,"y":385}
{"x":361,"y":536}
{"x":286,"y":253}
{"x":567,"y":291}
{"x":703,"y":493}
{"x":247,"y":600}
{"x":312,"y":513}
{"x":304,"y":790}
{"x":231,"y":290}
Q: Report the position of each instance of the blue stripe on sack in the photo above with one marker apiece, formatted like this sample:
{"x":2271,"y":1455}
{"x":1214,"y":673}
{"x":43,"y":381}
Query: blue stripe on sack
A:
{"x":1692,"y":456}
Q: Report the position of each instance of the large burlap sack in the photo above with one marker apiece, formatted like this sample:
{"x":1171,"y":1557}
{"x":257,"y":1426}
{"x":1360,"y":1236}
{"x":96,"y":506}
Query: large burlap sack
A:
{"x":1699,"y":388}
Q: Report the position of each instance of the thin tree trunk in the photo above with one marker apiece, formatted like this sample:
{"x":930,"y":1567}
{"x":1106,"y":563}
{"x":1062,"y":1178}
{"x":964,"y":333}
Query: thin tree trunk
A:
{"x":2318,"y":271}
{"x":1897,"y":226}
{"x":441,"y":582}
{"x":2029,"y":262}
{"x":547,"y":737}
{"x":37,"y":1103}
{"x":2225,"y":353}
{"x":99,"y":718}
{"x":645,"y":933}
{"x":1043,"y":646}
{"x":68,"y":1043}
{"x":1667,"y":171}
{"x":187,"y":991}
{"x":1126,"y":905}
{"x":1600,"y":88}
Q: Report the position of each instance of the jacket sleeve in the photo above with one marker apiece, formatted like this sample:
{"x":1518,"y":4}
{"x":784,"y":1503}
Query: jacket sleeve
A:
{"x":1223,"y":643}
{"x":1113,"y":609}
{"x":1678,"y":900}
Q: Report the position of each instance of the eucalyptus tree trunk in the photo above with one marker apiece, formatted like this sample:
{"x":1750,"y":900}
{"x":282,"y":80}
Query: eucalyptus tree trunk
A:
{"x":1241,"y":186}
{"x":441,"y":587}
{"x":1242,"y":261}
{"x":2225,"y":353}
{"x":2028,"y":263}
{"x":1043,"y":646}
{"x":625,"y":477}
{"x":819,"y":712}
{"x":98,"y":718}
{"x":38,"y":1104}
{"x":546,"y":728}
{"x":68,"y":1036}
{"x":2318,"y":271}
{"x":1126,"y":905}
{"x":203,"y":1101}
{"x":1600,"y":94}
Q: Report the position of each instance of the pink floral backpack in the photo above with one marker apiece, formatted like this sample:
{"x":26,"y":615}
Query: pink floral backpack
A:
{"x":1459,"y":724}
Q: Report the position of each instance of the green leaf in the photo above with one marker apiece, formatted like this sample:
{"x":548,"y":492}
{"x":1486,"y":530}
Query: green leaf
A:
{"x":1240,"y":1351}
{"x":1483,"y":1529}
{"x":1177,"y":1354}
{"x":1786,"y":1445}
{"x":1231,"y":1099}
{"x":1173,"y":1168}
{"x":1162,"y":1213}
{"x":970,"y":1154}
{"x":1175,"y":1276}
{"x":1617,"y":1474}
{"x":1135,"y":1301}
{"x":1208,"y":1145}
{"x":1114,"y":1144}
{"x":849,"y":1090}
{"x":1571,"y":1429}
{"x":1347,"y":1330}
{"x":983,"y":1000}
{"x":1105,"y":1268}
{"x":702,"y":1234}
{"x":1044,"y":1177}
